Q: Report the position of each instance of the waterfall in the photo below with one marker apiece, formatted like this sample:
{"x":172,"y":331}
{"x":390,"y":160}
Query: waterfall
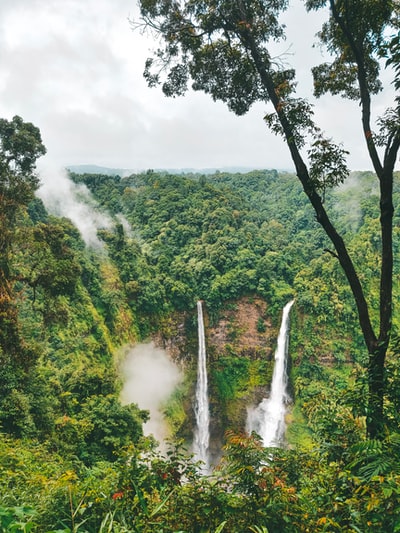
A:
{"x":202,"y":433}
{"x":268,"y":419}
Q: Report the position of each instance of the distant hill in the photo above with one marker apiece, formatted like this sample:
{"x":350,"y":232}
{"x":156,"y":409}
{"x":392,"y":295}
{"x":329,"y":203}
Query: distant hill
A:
{"x":96,"y":169}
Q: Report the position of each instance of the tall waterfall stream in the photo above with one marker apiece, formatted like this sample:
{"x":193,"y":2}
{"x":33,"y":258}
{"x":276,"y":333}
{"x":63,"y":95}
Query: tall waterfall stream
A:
{"x":268,"y":419}
{"x":202,"y":412}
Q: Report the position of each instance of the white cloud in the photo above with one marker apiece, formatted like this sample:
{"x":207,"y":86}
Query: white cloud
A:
{"x":74,"y":68}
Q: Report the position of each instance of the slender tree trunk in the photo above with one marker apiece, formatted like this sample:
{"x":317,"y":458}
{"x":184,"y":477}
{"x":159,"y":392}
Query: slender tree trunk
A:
{"x":377,"y":349}
{"x":376,"y":389}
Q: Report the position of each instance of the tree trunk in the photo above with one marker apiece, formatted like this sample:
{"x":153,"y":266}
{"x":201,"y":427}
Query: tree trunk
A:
{"x":376,"y":387}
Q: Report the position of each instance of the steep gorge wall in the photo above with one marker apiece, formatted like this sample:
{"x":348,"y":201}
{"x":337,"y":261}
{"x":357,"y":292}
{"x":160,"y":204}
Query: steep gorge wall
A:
{"x":240,"y":345}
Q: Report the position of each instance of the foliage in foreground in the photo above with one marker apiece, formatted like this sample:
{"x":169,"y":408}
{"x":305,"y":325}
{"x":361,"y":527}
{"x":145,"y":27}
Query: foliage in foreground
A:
{"x":252,"y":489}
{"x":340,"y":482}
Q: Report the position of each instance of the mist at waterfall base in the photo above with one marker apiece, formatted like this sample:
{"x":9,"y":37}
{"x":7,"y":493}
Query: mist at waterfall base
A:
{"x":268,"y":418}
{"x":201,"y":438}
{"x":150,"y":377}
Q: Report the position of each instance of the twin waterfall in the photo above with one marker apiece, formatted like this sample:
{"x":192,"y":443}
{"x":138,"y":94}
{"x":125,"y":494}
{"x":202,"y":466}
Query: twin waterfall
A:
{"x":201,"y":408}
{"x":268,"y":419}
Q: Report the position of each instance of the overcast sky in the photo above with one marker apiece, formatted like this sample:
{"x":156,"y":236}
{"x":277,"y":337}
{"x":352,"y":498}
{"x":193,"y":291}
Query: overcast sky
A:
{"x":74,"y":69}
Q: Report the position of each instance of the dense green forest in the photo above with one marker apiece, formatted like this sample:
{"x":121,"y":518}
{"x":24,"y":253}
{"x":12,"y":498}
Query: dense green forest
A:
{"x":74,"y":459}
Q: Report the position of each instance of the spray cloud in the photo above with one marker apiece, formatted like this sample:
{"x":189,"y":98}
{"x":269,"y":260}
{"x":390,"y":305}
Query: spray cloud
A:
{"x":150,"y":377}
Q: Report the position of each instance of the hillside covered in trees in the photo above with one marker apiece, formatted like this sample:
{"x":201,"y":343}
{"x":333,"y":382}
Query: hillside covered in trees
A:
{"x":73,"y":458}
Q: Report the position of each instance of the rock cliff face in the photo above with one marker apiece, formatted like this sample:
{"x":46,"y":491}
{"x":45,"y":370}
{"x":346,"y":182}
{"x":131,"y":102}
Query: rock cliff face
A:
{"x":244,"y":328}
{"x":240,"y":347}
{"x":240,"y":344}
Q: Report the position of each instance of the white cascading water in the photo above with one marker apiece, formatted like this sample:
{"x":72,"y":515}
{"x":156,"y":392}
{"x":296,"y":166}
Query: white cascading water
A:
{"x":202,"y":412}
{"x":268,"y":419}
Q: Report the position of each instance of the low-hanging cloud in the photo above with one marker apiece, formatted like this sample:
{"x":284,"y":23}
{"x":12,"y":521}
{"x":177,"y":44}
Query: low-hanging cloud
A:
{"x":150,"y":377}
{"x":63,"y":197}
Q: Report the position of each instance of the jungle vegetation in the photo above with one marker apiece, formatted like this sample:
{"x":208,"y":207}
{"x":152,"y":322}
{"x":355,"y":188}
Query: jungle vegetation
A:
{"x":72,"y":457}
